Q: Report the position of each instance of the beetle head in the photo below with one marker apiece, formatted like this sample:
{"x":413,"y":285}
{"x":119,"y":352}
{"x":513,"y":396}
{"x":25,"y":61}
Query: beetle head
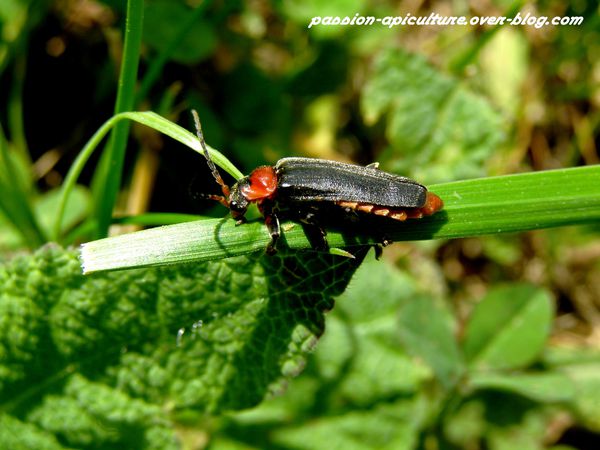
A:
{"x":238,"y":203}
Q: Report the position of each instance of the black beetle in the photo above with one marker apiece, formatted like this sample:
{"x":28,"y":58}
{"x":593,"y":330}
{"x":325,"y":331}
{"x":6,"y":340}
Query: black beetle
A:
{"x":300,"y":188}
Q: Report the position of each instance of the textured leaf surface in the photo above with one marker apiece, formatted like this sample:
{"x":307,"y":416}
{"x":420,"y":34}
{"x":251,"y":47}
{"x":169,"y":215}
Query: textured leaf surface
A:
{"x":103,"y":358}
{"x":440,"y":129}
{"x":360,"y":383}
{"x":18,"y":435}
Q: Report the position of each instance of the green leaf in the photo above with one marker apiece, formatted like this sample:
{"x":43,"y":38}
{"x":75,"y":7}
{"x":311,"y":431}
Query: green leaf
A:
{"x":10,"y":238}
{"x":205,"y":337}
{"x":542,"y":387}
{"x":16,"y":199}
{"x":179,"y":38}
{"x":388,"y":426}
{"x":438,"y":129}
{"x":509,"y":328}
{"x":427,"y":330}
{"x":149,"y":119}
{"x":162,"y":24}
{"x":505,"y":76}
{"x":587,"y":393}
{"x":77,"y":208}
{"x":244,"y":346}
{"x":466,"y":425}
{"x":18,"y":435}
{"x":154,"y":219}
{"x":526,"y":434}
{"x":358,"y":366}
{"x":473,"y":207}
{"x":91,"y":414}
{"x":174,"y":244}
{"x":361,"y":353}
{"x":582,"y":366}
{"x":21,"y":326}
{"x":499,"y":420}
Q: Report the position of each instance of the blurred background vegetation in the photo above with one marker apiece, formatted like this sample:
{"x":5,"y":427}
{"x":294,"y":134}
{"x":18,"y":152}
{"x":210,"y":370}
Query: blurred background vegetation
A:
{"x":434,"y":103}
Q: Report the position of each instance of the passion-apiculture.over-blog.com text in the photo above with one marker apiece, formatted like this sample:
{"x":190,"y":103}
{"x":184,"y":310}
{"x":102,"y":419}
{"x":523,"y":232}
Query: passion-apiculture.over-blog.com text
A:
{"x":435,"y":19}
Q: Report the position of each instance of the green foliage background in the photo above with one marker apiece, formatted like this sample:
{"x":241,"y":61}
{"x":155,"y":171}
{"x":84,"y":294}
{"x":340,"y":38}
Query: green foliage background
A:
{"x":480,"y":342}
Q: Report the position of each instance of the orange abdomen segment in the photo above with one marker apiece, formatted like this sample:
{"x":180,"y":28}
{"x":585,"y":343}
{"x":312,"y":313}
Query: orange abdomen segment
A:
{"x":432,"y":205}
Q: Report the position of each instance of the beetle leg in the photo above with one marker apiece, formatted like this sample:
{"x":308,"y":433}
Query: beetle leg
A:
{"x":385,"y":241}
{"x":314,"y":232}
{"x":240,"y":220}
{"x":272,"y":223}
{"x":316,"y":235}
{"x":351,"y":215}
{"x":219,"y":198}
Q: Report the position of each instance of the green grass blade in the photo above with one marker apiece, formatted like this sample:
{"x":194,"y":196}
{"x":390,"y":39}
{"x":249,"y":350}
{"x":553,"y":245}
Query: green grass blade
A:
{"x":184,"y":136}
{"x":151,"y":120}
{"x":154,"y":219}
{"x":15,"y":202}
{"x":517,"y":203}
{"x":107,"y":179}
{"x":482,"y":206}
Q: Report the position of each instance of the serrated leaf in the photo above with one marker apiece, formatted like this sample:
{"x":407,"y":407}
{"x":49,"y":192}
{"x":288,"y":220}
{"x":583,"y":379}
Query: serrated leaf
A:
{"x":508,"y":328}
{"x":427,"y":331}
{"x":273,"y":316}
{"x":438,"y":129}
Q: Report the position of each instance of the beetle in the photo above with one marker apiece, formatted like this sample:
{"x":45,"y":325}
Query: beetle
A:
{"x":306,"y":189}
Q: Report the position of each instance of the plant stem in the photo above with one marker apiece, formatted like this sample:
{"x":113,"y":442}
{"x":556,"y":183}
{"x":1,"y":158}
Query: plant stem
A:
{"x":107,"y":179}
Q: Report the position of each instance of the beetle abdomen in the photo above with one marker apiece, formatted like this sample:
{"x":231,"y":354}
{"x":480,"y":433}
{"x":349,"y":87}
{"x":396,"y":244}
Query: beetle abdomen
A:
{"x":310,"y":180}
{"x":432,"y":205}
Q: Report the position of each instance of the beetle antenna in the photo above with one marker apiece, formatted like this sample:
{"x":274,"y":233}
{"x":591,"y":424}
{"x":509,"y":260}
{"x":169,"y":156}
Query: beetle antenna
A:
{"x":211,"y":165}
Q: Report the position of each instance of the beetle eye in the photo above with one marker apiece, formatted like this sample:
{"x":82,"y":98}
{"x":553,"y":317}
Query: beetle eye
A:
{"x":236,"y":205}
